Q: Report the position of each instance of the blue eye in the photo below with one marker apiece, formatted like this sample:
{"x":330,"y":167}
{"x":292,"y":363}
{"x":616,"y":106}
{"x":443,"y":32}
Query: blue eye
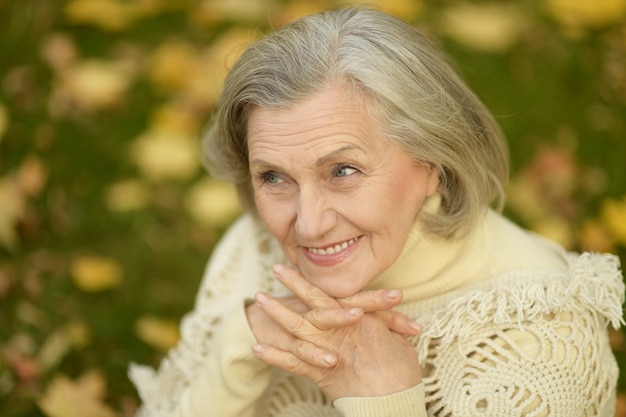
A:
{"x":270,"y":178}
{"x":345,"y":170}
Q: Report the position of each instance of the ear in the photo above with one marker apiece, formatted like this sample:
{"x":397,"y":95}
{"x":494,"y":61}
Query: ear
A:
{"x":433,"y":180}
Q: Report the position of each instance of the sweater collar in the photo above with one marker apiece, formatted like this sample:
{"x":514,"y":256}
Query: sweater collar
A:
{"x":429,"y":265}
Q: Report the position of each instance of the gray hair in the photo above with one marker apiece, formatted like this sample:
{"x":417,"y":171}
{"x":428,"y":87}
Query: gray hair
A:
{"x":420,"y":102}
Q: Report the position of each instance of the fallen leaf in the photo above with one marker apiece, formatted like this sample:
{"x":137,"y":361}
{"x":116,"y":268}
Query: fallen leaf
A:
{"x":212,"y":11}
{"x":166,"y":155}
{"x":12,"y":207}
{"x":83,"y":397}
{"x":212,"y":203}
{"x":59,"y":51}
{"x":90,"y":85}
{"x":111,"y":15}
{"x":577,"y":15}
{"x":4,"y":120}
{"x":24,"y":367}
{"x":594,"y":237}
{"x":613,"y":217}
{"x":127,"y":195}
{"x":176,"y":117}
{"x":31,"y":176}
{"x":489,"y":27}
{"x":56,"y":346}
{"x":404,"y":9}
{"x":172,"y":64}
{"x":96,"y":273}
{"x":556,"y":229}
{"x":159,"y":333}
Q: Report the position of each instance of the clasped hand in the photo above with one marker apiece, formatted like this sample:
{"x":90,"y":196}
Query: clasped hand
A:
{"x":350,"y":347}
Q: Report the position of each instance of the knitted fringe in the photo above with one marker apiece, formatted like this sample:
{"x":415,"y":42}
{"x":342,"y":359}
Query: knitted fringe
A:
{"x":594,"y":283}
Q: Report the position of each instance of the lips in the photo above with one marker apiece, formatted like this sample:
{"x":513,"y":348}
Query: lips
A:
{"x":333,"y":249}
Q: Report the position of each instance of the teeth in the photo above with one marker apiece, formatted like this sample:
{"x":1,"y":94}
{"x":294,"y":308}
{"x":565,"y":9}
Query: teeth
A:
{"x":331,"y":250}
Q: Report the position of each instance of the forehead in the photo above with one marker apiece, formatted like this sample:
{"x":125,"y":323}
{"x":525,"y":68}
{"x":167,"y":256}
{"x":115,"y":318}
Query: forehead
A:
{"x":334,"y":117}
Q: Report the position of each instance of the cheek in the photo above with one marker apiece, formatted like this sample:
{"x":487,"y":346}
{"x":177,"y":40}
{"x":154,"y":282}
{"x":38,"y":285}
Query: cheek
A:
{"x":275,"y":216}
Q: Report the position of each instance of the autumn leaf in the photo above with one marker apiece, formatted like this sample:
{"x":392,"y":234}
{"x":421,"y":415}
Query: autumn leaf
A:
{"x":171,"y":64}
{"x":212,"y":11}
{"x":4,"y":120}
{"x":577,"y":15}
{"x":404,"y":9}
{"x":96,"y":273}
{"x":613,"y":217}
{"x":83,"y":397}
{"x":594,"y":237}
{"x":90,"y":85}
{"x":127,"y":195}
{"x":489,"y":27}
{"x":163,"y":154}
{"x":110,"y":15}
{"x":12,"y":206}
{"x":159,"y":333}
{"x":213,"y":203}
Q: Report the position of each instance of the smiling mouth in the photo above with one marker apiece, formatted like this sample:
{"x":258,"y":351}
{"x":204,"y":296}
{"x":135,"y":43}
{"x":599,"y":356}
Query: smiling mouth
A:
{"x":332,"y":250}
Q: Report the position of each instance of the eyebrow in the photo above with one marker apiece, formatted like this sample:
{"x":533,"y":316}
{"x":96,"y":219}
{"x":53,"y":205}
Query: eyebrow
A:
{"x":324,"y":159}
{"x":320,"y":161}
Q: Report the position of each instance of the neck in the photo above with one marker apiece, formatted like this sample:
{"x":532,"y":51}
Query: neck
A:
{"x":429,"y":265}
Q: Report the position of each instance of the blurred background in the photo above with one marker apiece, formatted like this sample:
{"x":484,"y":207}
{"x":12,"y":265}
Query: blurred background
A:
{"x":107,"y":218}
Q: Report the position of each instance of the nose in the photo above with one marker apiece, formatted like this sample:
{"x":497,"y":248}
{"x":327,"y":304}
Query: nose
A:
{"x":315,"y":216}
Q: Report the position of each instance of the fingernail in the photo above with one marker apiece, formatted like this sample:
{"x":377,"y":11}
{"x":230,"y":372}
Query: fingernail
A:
{"x":415,"y":326}
{"x":258,"y":349}
{"x":393,"y":294}
{"x":261,"y":298}
{"x":329,"y":358}
{"x":353,"y":312}
{"x":278,"y":269}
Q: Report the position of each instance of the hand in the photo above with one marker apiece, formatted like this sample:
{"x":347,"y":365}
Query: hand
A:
{"x":347,"y":351}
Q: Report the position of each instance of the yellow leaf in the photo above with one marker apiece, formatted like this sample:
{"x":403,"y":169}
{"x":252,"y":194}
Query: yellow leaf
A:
{"x":298,"y":9}
{"x":213,"y":203}
{"x":172,"y":63}
{"x":83,"y":397}
{"x":112,"y":15}
{"x":613,"y":217}
{"x":4,"y":120}
{"x":59,"y":51}
{"x":90,"y":85}
{"x":576,"y":15}
{"x":170,"y":116}
{"x":12,"y":206}
{"x":96,"y":273}
{"x":555,"y":229}
{"x":159,"y":333}
{"x":164,"y":155}
{"x":404,"y":9}
{"x":595,"y":238}
{"x":212,"y":11}
{"x":127,"y":195}
{"x":32,"y":176}
{"x":214,"y":64}
{"x":490,"y":27}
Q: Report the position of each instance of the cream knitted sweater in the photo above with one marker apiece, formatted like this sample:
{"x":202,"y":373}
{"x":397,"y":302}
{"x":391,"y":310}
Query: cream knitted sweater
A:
{"x":513,"y":326}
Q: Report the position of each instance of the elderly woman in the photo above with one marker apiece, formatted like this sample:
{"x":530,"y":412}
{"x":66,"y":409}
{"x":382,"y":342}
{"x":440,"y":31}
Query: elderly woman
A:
{"x":370,"y":277}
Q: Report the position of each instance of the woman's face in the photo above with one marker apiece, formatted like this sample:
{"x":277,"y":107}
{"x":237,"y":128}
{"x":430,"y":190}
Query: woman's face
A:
{"x":338,"y":197}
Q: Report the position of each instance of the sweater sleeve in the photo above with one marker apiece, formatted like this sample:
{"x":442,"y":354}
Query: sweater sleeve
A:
{"x":408,"y":403}
{"x":232,"y":379}
{"x":212,"y":370}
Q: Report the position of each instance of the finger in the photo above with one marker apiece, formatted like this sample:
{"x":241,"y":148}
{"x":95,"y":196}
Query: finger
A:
{"x":376,"y":300}
{"x":310,"y":324}
{"x":288,"y":361}
{"x":326,"y":319}
{"x":303,"y":289}
{"x":400,"y":323}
